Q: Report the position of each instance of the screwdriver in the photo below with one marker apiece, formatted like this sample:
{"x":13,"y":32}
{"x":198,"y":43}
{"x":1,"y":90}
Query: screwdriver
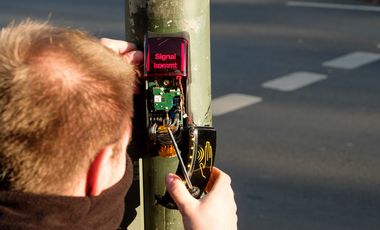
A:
{"x":181,"y":163}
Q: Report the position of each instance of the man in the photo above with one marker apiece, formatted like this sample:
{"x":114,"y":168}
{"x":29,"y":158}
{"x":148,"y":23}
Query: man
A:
{"x":65,"y":122}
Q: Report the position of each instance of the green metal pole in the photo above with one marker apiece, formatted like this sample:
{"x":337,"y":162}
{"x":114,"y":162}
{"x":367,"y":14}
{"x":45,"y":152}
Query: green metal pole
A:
{"x":167,"y":16}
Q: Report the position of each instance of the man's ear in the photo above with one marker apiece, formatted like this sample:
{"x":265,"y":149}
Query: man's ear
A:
{"x":100,"y":174}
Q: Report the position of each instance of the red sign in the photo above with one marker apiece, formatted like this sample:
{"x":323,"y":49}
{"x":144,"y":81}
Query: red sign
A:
{"x":166,"y":56}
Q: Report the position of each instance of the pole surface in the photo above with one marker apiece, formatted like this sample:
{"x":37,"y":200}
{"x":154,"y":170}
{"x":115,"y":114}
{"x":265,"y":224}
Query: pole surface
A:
{"x":168,"y":16}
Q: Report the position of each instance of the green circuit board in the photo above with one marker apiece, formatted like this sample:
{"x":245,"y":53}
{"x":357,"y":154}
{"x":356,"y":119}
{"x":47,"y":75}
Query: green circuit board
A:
{"x":164,"y":98}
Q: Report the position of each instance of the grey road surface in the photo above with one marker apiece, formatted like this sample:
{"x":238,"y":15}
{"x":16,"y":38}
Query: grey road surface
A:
{"x":307,"y":158}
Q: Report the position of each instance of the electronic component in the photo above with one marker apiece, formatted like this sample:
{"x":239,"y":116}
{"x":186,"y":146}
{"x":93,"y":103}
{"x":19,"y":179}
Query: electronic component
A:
{"x":166,"y":83}
{"x":170,"y":127}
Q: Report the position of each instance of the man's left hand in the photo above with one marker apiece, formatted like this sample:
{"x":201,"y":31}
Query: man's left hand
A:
{"x":128,"y":51}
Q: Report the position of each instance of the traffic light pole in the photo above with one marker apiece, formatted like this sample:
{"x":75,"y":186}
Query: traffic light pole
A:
{"x":169,"y":16}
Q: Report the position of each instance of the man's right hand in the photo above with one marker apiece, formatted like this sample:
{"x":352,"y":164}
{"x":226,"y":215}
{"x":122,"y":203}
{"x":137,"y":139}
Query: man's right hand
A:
{"x":216,"y":210}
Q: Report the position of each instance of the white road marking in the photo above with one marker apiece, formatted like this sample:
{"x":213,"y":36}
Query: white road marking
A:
{"x":232,"y":102}
{"x":293,"y":81}
{"x":352,"y":60}
{"x":334,"y":6}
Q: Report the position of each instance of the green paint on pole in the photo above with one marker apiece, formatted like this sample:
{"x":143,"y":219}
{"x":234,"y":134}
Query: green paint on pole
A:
{"x":170,"y":16}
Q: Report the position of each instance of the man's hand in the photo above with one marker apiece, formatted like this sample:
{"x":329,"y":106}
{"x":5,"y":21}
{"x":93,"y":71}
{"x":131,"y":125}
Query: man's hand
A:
{"x":126,"y":50}
{"x":216,"y":210}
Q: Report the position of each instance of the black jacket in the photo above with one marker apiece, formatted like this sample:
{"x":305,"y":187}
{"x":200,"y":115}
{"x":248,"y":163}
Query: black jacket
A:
{"x":29,"y":211}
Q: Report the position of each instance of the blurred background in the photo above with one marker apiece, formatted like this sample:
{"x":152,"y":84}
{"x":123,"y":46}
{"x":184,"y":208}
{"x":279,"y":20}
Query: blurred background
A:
{"x":296,"y":101}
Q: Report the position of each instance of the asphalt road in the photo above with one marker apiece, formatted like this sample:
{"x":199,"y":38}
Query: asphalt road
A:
{"x":301,"y":159}
{"x":309,"y":158}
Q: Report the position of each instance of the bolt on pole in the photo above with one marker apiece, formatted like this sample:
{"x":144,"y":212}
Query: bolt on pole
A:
{"x":170,"y":16}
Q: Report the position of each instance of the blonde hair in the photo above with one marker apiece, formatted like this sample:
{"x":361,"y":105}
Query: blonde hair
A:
{"x":63,"y":96}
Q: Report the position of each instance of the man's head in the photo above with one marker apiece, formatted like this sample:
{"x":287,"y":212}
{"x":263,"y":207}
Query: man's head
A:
{"x":64,"y":101}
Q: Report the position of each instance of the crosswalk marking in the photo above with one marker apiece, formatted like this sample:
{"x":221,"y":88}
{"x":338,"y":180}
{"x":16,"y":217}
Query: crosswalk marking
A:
{"x":334,"y":6}
{"x":290,"y":82}
{"x":293,"y":81}
{"x":352,"y":60}
{"x":232,"y":102}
